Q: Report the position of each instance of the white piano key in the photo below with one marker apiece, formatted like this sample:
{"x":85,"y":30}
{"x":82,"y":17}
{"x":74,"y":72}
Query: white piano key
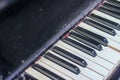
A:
{"x":91,"y":64}
{"x":117,"y":31}
{"x":102,"y":54}
{"x":36,"y":74}
{"x":114,"y":45}
{"x":107,"y":54}
{"x":110,"y":2}
{"x":85,"y":71}
{"x":53,"y":70}
{"x":112,"y":40}
{"x":62,"y":70}
{"x":96,"y":59}
{"x":106,"y":16}
{"x":115,"y":38}
{"x":110,"y":54}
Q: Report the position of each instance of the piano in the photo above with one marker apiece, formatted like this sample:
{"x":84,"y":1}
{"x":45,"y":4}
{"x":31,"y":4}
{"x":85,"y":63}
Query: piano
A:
{"x":60,"y":40}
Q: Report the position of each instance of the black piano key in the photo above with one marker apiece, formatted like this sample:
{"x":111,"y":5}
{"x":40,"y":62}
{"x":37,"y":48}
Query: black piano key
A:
{"x":100,"y":27}
{"x":111,"y":6}
{"x":62,"y":63}
{"x":70,"y":56}
{"x":86,"y":40}
{"x":46,"y":72}
{"x":105,"y":21}
{"x":80,"y":46}
{"x":27,"y":77}
{"x":115,"y":2}
{"x":110,"y":12}
{"x":96,"y":37}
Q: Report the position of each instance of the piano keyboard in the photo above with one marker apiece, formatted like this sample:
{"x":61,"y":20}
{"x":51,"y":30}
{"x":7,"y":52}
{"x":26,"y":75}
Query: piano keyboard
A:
{"x":90,"y":51}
